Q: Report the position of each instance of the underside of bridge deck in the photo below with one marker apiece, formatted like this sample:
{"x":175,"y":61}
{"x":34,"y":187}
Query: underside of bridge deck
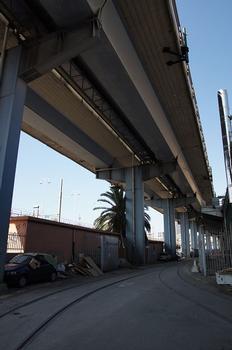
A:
{"x":99,"y":91}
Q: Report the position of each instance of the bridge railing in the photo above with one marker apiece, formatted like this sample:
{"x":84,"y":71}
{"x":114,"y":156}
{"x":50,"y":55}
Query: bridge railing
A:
{"x":189,"y":81}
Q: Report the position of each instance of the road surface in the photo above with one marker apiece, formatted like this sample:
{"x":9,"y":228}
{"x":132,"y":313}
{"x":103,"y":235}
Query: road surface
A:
{"x":157,"y":308}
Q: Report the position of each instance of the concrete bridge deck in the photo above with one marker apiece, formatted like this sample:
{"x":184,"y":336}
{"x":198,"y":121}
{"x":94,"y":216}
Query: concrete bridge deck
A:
{"x":92,"y":81}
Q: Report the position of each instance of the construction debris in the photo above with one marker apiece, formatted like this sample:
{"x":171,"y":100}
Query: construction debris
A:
{"x":224,"y":276}
{"x":86,"y":267}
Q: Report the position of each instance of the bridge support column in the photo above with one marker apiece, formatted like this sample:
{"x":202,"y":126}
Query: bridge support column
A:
{"x":134,"y":178}
{"x":168,"y":206}
{"x":193,"y":230}
{"x":208,"y":241}
{"x":184,"y":224}
{"x":12,"y":97}
{"x":202,"y":257}
{"x":169,"y":226}
{"x":214,"y":242}
{"x":135,"y":215}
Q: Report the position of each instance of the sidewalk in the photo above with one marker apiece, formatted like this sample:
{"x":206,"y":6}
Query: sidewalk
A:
{"x":208,"y":283}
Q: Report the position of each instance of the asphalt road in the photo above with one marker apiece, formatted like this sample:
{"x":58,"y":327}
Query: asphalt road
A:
{"x":159,"y":309}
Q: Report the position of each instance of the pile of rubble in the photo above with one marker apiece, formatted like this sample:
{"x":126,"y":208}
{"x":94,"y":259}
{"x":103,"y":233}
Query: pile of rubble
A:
{"x":85,"y":267}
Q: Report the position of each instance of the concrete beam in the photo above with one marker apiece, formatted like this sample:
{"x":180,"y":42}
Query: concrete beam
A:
{"x":116,"y":174}
{"x":184,"y":202}
{"x":38,"y":57}
{"x":41,"y":107}
{"x":147,"y":171}
{"x":159,"y":169}
{"x":117,"y":35}
{"x":177,"y":202}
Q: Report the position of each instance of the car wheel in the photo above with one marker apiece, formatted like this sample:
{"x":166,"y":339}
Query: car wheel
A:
{"x":53,"y":276}
{"x":22,"y":282}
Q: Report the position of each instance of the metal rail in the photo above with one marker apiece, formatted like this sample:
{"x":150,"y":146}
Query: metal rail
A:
{"x":78,"y":79}
{"x":35,"y":333}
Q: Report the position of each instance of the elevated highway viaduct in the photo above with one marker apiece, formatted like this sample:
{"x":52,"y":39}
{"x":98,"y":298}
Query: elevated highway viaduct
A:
{"x":107,"y":84}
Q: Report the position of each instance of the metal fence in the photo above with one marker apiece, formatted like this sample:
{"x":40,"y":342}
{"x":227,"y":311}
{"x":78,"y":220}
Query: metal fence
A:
{"x":217,"y":261}
{"x":52,"y":217}
{"x":221,"y":257}
{"x":15,"y":242}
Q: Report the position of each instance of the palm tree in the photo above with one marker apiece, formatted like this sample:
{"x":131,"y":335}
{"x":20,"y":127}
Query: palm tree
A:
{"x":113,"y":217}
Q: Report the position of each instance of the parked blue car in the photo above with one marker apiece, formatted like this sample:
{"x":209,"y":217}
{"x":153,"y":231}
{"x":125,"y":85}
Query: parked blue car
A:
{"x":28,"y":268}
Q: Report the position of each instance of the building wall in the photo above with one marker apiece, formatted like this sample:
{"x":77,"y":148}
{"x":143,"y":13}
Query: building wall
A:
{"x":49,"y":238}
{"x":153,"y":251}
{"x":68,"y":241}
{"x":63,"y":240}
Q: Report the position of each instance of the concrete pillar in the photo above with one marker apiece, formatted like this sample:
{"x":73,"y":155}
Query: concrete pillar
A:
{"x":214,"y":242}
{"x":135,"y":215}
{"x":202,"y":257}
{"x":169,"y":226}
{"x":193,"y":230}
{"x":184,"y":225}
{"x":12,"y":96}
{"x":208,"y":241}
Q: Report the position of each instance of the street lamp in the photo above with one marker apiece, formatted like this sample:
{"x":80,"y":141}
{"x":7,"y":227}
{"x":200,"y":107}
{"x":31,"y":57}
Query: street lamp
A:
{"x":44,"y":181}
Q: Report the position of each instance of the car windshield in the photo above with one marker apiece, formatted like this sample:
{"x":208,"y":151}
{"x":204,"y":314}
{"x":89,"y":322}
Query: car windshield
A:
{"x":19,"y":259}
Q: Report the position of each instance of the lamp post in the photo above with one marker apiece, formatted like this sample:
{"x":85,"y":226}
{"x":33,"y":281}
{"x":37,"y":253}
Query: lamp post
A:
{"x":44,"y":181}
{"x":60,"y":200}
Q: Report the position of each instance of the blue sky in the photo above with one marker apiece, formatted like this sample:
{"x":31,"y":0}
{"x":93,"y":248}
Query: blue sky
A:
{"x":208,"y":24}
{"x":39,"y":169}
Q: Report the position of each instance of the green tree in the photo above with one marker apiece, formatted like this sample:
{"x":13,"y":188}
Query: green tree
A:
{"x":113,"y":217}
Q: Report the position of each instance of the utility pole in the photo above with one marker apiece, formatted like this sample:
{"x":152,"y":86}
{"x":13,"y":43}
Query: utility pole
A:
{"x":60,"y":201}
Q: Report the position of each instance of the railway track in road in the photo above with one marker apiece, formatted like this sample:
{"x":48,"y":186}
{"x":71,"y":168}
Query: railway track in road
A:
{"x":189,"y":298}
{"x":47,"y":295}
{"x":161,"y":273}
{"x":38,"y":329}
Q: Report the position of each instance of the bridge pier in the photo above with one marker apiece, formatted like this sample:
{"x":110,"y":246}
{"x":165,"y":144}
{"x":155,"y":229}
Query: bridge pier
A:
{"x":168,"y":206}
{"x":12,"y":97}
{"x":214,"y":242}
{"x":208,"y":241}
{"x":184,"y":225}
{"x":193,"y":231}
{"x":134,"y":178}
{"x":169,"y":226}
{"x":135,"y":233}
{"x":202,"y":257}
